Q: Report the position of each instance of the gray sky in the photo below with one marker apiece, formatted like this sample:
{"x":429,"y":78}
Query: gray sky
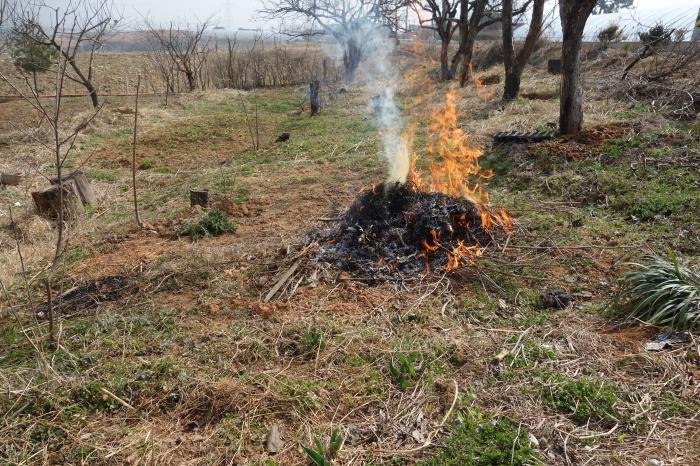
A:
{"x":233,"y":14}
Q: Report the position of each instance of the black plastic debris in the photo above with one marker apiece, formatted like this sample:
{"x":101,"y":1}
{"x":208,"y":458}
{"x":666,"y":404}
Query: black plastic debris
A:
{"x":554,"y":299}
{"x":515,"y":136}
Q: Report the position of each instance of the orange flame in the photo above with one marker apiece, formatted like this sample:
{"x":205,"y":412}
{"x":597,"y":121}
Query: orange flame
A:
{"x":453,"y":168}
{"x":453,"y":165}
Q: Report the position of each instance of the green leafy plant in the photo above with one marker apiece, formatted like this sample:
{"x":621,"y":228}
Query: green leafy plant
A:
{"x":321,"y":456}
{"x":657,"y":36}
{"x":213,"y":223}
{"x":147,"y":164}
{"x":314,"y":339}
{"x":660,"y":292}
{"x":31,"y":55}
{"x":404,"y":371}
{"x":480,"y":440}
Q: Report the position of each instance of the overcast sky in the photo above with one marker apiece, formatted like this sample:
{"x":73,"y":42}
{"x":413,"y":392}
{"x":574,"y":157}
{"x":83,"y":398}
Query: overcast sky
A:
{"x":233,"y":14}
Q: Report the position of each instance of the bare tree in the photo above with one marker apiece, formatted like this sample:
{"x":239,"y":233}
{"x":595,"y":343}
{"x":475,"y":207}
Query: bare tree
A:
{"x":81,"y":26}
{"x":60,"y":144}
{"x":513,"y":63}
{"x":4,"y":8}
{"x":468,"y":17}
{"x":350,"y":22}
{"x":187,"y":48}
{"x":471,"y":21}
{"x":4,"y":13}
{"x":442,"y":20}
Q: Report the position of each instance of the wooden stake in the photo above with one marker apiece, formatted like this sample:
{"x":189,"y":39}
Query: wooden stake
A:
{"x":133,"y":154}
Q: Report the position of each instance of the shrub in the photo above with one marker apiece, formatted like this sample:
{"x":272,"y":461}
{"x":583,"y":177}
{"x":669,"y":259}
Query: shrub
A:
{"x":214,"y":223}
{"x":481,"y":440}
{"x":656,"y":37}
{"x":610,"y":34}
{"x":147,"y":164}
{"x":660,"y":292}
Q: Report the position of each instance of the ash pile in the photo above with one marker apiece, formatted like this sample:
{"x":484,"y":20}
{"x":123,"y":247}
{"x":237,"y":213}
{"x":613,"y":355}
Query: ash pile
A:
{"x":394,"y":231}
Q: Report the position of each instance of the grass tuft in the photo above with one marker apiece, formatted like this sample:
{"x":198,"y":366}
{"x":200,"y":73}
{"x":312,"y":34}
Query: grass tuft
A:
{"x":480,"y":440}
{"x":213,"y":223}
{"x":660,"y":292}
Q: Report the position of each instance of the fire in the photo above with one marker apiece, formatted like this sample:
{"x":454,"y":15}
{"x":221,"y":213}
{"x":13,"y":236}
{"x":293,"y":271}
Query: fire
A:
{"x":453,"y":168}
{"x":453,"y":165}
{"x":462,"y":255}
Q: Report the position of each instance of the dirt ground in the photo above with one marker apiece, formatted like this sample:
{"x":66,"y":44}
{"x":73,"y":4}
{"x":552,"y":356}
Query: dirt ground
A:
{"x":189,"y":365}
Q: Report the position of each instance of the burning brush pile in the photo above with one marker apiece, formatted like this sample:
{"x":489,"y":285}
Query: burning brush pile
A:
{"x":434,"y":218}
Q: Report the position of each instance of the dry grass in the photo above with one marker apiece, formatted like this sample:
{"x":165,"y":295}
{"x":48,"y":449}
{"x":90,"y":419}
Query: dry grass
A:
{"x":195,"y":369}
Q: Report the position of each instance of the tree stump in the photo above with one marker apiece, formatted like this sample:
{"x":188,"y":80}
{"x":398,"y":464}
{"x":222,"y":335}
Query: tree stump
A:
{"x":199,"y":197}
{"x":47,"y":201}
{"x":314,"y":87}
{"x":84,"y":190}
{"x":554,"y":66}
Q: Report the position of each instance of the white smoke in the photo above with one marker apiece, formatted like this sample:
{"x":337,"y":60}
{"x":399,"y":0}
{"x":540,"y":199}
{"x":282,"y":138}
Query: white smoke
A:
{"x":381,"y":77}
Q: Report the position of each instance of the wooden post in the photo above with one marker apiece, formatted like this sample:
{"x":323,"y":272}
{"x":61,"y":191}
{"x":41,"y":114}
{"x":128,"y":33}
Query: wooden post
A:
{"x":48,"y":200}
{"x":199,"y":197}
{"x":314,"y":87}
{"x":133,"y":153}
{"x":81,"y":185}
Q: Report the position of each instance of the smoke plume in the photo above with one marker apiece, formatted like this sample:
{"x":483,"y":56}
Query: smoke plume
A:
{"x":381,"y":77}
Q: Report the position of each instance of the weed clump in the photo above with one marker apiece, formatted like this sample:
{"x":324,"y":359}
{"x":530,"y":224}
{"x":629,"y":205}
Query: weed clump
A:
{"x":585,"y":400}
{"x":480,"y":440}
{"x":213,"y":223}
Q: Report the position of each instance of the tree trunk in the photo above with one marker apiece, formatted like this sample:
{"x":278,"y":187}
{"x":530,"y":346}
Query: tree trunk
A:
{"x":48,"y":201}
{"x":511,"y":88}
{"x":93,"y":94}
{"x":573,"y":14}
{"x":314,"y":87}
{"x":466,"y":73}
{"x":515,"y":64}
{"x":191,"y":82}
{"x":468,"y":30}
{"x":445,"y":72}
{"x":82,"y":185}
{"x":351,"y":60}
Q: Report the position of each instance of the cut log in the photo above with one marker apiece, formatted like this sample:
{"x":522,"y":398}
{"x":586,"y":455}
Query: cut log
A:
{"x":47,"y":201}
{"x":9,"y":179}
{"x":84,"y":190}
{"x":199,"y":197}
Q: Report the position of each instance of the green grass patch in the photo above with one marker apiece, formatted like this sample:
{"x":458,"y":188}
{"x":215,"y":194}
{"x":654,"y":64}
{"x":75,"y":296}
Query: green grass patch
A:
{"x":213,"y":223}
{"x":480,"y":440}
{"x":583,"y":400}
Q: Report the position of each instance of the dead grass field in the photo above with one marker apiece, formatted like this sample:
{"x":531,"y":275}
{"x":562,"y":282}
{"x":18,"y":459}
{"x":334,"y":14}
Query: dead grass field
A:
{"x":188,"y":366}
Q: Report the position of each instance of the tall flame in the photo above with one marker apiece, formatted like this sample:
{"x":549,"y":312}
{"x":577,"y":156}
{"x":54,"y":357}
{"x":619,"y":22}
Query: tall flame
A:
{"x":453,"y":165}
